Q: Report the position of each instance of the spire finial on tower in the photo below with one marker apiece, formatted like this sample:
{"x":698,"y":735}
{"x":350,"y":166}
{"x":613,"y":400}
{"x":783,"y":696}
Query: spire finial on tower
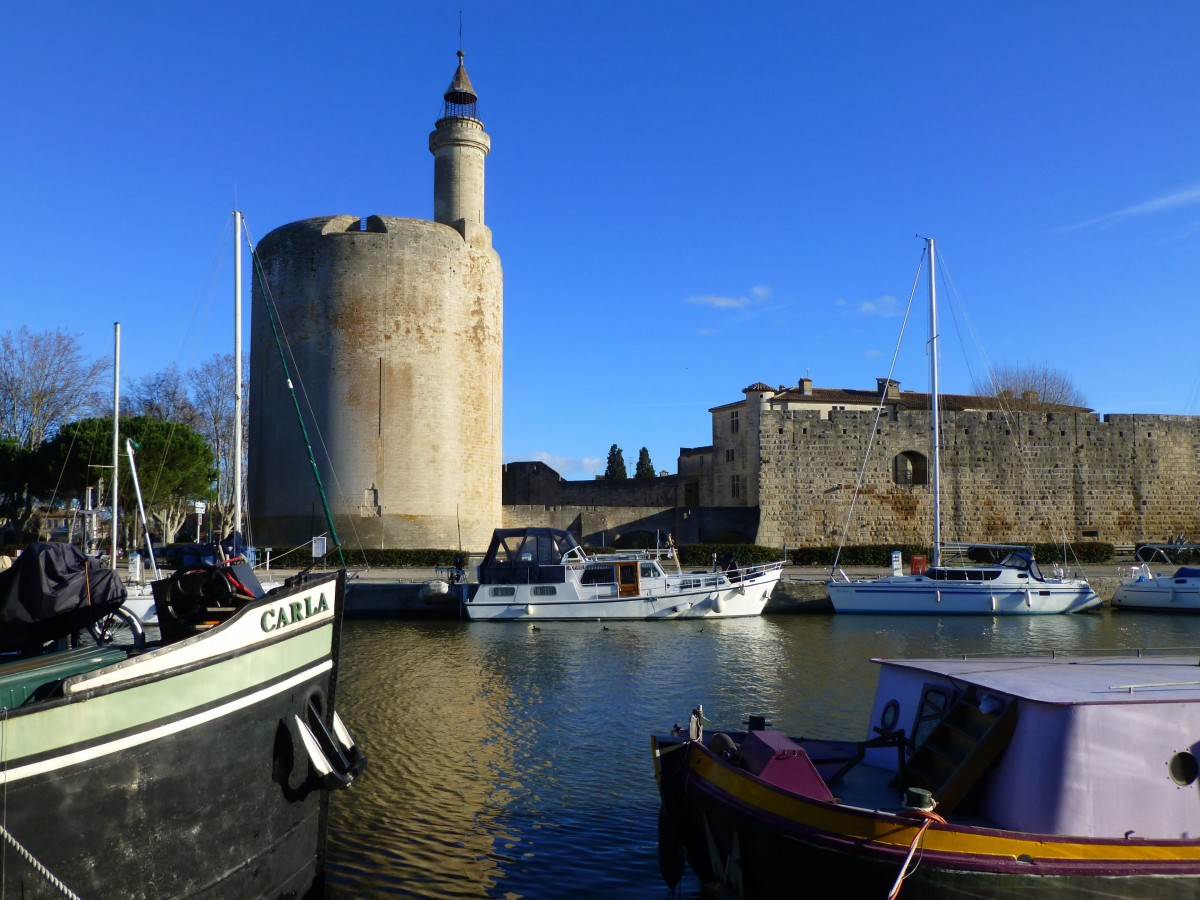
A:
{"x":461,"y":99}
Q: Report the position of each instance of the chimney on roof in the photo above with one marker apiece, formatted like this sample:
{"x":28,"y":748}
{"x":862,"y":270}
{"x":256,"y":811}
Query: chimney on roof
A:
{"x":1029,"y":396}
{"x":888,"y":387}
{"x":805,"y":387}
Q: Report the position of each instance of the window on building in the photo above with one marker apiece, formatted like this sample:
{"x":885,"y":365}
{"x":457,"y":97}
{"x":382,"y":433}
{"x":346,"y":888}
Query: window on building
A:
{"x":735,"y":486}
{"x":733,"y":422}
{"x":910,"y":468}
{"x":729,"y":454}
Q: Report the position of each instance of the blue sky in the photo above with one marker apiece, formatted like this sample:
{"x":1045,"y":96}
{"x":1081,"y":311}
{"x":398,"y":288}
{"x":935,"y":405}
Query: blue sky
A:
{"x":686,"y":198}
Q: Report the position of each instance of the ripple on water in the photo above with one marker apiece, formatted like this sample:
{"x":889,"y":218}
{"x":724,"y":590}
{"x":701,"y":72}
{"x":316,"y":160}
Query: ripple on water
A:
{"x":511,"y":763}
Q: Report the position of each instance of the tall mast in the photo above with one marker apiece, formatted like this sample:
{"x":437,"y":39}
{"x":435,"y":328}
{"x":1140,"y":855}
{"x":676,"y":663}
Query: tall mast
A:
{"x":237,"y":377}
{"x":935,"y":455}
{"x":116,"y":445}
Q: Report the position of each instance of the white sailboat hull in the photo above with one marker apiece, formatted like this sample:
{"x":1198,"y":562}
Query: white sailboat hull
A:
{"x":1160,"y":593}
{"x":916,"y":594}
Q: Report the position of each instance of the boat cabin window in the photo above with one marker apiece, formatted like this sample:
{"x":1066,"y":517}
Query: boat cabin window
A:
{"x":1016,"y":561}
{"x":955,"y":574}
{"x":526,"y":556}
{"x":500,"y":591}
{"x":934,"y":703}
{"x":544,"y":590}
{"x":602,"y":574}
{"x":651,"y":570}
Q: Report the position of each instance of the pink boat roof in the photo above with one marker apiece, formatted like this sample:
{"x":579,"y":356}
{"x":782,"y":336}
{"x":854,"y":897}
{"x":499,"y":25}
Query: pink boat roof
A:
{"x":1073,"y":680}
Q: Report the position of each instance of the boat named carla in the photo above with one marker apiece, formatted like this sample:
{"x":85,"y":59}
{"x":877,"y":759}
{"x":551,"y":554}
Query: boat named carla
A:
{"x":196,"y":765}
{"x":543,"y":574}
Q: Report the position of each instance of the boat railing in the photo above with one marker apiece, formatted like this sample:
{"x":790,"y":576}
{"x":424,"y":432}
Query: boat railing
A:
{"x":695,"y":581}
{"x":577,"y":554}
{"x":749,"y":573}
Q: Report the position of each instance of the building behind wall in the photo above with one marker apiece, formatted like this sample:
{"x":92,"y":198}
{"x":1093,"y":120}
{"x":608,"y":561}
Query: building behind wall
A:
{"x":395,"y":325}
{"x":1013,"y":470}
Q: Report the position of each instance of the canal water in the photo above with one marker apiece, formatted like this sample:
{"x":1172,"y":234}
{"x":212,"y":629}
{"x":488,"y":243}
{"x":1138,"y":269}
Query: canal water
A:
{"x":513,"y":762}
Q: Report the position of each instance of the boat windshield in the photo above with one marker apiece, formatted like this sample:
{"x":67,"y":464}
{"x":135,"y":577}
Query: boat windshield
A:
{"x":526,"y":555}
{"x":1018,"y":560}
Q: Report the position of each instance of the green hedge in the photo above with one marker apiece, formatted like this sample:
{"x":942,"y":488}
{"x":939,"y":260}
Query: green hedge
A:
{"x":880,"y":555}
{"x":690,"y":555}
{"x":427,"y":558}
{"x":700,"y":555}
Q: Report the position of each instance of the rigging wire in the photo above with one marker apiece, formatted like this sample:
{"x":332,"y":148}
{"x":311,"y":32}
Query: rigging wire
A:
{"x":269,"y":304}
{"x":1010,"y":414}
{"x":878,"y":416}
{"x":298,"y":379}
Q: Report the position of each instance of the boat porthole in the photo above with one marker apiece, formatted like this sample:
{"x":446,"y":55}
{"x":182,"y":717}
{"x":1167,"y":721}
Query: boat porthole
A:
{"x":1184,"y":768}
{"x":889,"y":716}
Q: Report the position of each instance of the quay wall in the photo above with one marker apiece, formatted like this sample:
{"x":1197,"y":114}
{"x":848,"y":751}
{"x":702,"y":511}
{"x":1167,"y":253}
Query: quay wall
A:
{"x":1025,"y":477}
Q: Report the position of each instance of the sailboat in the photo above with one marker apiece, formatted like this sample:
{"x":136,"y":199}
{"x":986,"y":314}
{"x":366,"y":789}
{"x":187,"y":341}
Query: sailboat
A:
{"x":1014,"y":586}
{"x":140,"y":600}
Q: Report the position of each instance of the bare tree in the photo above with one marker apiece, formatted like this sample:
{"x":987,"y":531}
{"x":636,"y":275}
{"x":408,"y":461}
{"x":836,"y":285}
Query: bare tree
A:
{"x":162,"y":395}
{"x":45,"y":381}
{"x":212,"y":393}
{"x":1026,"y":386}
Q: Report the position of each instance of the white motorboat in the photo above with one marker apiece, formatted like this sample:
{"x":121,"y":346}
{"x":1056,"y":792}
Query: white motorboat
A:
{"x":1015,"y":586}
{"x":537,"y":574}
{"x":1145,"y":589}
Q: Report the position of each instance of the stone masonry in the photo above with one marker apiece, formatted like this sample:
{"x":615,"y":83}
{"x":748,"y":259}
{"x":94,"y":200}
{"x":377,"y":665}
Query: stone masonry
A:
{"x":1030,"y":476}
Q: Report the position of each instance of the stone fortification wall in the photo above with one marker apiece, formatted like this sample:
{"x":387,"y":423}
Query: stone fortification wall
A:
{"x":395,"y":325}
{"x":595,"y":526}
{"x":537,"y":483}
{"x":1030,"y":477}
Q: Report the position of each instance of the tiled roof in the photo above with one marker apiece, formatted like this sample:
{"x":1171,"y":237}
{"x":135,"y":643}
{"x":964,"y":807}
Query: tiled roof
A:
{"x":912,"y":400}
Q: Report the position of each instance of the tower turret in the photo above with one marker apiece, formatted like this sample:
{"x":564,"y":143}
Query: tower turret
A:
{"x":459,"y":145}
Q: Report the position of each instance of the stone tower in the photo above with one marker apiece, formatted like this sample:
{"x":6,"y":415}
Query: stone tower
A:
{"x":395,"y":327}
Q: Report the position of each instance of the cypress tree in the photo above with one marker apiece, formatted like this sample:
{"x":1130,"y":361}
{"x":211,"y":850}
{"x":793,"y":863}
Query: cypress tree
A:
{"x":616,"y":465}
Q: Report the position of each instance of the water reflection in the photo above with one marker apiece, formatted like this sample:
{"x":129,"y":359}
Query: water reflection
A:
{"x":512,"y":762}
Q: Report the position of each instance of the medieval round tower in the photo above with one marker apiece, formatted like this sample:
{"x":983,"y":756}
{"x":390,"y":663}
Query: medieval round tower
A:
{"x":392,"y":330}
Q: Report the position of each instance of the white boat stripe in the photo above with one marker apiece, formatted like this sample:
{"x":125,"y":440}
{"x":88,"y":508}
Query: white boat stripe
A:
{"x":153,"y":734}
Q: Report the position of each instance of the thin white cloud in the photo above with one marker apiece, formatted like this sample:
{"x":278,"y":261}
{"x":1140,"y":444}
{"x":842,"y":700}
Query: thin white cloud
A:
{"x":886,"y":307}
{"x":568,"y":467}
{"x":716,"y":301}
{"x":757,"y":294}
{"x":1184,"y":197}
